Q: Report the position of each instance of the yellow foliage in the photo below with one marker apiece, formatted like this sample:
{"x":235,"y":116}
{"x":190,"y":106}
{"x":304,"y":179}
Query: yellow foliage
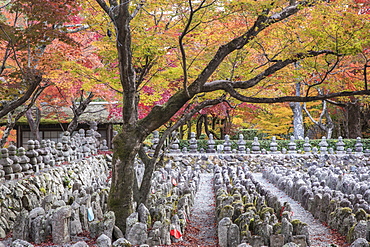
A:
{"x":275,"y":121}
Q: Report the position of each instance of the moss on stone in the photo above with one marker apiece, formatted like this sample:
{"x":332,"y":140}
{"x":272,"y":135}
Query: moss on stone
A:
{"x":360,"y":215}
{"x":346,"y":210}
{"x":297,"y":222}
{"x":228,"y":207}
{"x":238,"y":202}
{"x":349,"y":236}
{"x":251,"y":208}
{"x":245,"y":199}
{"x":277,"y":228}
{"x":264,"y":210}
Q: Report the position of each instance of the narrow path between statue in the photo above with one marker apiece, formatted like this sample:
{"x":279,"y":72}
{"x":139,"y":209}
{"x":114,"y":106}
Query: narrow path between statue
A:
{"x":201,"y":229}
{"x":320,"y":235}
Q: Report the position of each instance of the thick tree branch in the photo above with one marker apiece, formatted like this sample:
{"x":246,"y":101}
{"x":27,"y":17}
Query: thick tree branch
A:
{"x":11,"y":123}
{"x":297,"y":98}
{"x":34,"y":82}
{"x":34,"y":121}
{"x":278,"y":65}
{"x":137,"y":9}
{"x":106,"y":8}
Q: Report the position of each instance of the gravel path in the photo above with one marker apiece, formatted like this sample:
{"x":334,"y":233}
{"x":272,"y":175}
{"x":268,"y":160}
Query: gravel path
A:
{"x":202,"y":227}
{"x":320,"y":235}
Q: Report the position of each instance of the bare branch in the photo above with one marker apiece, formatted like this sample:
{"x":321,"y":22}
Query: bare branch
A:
{"x":137,"y":9}
{"x":106,"y":8}
{"x":78,"y":111}
{"x":11,"y":123}
{"x":325,"y":76}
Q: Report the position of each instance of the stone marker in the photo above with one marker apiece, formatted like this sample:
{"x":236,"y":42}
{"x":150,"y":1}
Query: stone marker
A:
{"x":60,"y":225}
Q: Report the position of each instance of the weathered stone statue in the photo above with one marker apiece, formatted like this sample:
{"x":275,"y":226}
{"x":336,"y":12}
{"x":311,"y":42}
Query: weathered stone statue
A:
{"x":6,"y":163}
{"x":13,"y":156}
{"x":211,"y":145}
{"x":32,"y":155}
{"x":241,"y":144}
{"x":256,"y":146}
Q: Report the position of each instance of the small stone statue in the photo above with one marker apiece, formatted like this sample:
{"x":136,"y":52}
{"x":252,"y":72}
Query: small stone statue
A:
{"x":256,"y":146}
{"x":323,"y":145}
{"x":340,"y":146}
{"x":13,"y":156}
{"x":24,"y":161}
{"x":358,"y":145}
{"x":211,"y":144}
{"x":227,"y":144}
{"x":175,"y":146}
{"x":6,"y":163}
{"x":32,"y":154}
{"x":292,"y":146}
{"x":307,"y":145}
{"x":241,"y":144}
{"x":193,"y":147}
{"x":274,"y":145}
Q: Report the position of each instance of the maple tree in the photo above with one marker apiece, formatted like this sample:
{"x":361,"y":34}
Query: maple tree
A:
{"x":27,"y":28}
{"x":186,"y":48}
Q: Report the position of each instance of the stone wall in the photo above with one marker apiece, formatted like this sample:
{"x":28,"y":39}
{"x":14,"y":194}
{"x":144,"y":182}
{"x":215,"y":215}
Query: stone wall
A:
{"x":17,"y":163}
{"x":31,"y":206}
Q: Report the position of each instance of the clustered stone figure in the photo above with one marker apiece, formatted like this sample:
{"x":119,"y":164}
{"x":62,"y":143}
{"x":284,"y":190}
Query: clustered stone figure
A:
{"x":255,"y":148}
{"x":16,"y":163}
{"x":247,"y":213}
{"x":335,"y":189}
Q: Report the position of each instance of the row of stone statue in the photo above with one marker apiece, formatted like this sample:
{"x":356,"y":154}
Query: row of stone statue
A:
{"x":15,"y":163}
{"x":225,"y":147}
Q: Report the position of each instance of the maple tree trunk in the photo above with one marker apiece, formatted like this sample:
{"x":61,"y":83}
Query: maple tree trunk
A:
{"x":121,"y":198}
{"x":353,"y":120}
{"x":199,"y":125}
{"x":222,"y":128}
{"x":206,"y":123}
{"x":189,"y":129}
{"x":78,"y":111}
{"x":298,"y":128}
{"x":34,"y":122}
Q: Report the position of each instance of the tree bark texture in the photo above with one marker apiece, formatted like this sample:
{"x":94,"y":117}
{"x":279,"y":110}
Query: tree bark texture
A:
{"x":353,"y":111}
{"x":34,"y":122}
{"x":121,"y":198}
